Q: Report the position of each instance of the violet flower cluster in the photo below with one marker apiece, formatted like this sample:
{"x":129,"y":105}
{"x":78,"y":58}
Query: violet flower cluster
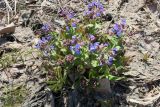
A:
{"x":75,"y":43}
{"x":43,"y":43}
{"x":46,"y":27}
{"x":118,"y":28}
{"x":95,"y":9}
{"x":76,"y":49}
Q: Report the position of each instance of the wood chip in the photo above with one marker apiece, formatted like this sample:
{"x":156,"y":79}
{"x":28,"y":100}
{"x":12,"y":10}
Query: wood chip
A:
{"x":8,"y":29}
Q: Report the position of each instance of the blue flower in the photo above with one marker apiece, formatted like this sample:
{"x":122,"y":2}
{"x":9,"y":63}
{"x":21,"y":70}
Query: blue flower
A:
{"x":77,"y":49}
{"x":87,"y":13}
{"x":48,"y":37}
{"x":44,"y":40}
{"x":92,"y":37}
{"x":51,"y":47}
{"x":90,"y":6}
{"x":69,"y":16}
{"x":110,"y":61}
{"x":123,"y":22}
{"x":71,"y":48}
{"x":74,"y":37}
{"x":95,"y":7}
{"x":74,"y":25}
{"x":96,"y":44}
{"x":106,"y":44}
{"x":73,"y":41}
{"x":37,"y":46}
{"x":46,"y":27}
{"x":98,"y":14}
{"x":117,"y":29}
{"x":94,"y":47}
{"x":77,"y":52}
{"x":77,"y":46}
{"x":119,"y":33}
{"x":114,"y":51}
{"x":67,"y":28}
{"x":101,"y":7}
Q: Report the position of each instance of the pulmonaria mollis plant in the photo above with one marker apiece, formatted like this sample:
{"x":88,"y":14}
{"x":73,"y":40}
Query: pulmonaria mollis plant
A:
{"x":80,"y":51}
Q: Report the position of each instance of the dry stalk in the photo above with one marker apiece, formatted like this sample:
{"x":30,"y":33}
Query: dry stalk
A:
{"x":15,"y":7}
{"x":9,"y":9}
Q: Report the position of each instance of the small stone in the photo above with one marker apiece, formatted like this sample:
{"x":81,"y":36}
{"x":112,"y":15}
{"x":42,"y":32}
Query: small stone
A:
{"x":104,"y":86}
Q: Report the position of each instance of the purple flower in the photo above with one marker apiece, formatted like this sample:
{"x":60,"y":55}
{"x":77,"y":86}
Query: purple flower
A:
{"x":48,"y":37}
{"x":110,"y":61}
{"x":73,"y":41}
{"x":69,"y":16}
{"x":116,"y":27}
{"x":123,"y":22}
{"x":114,"y":51}
{"x":87,"y":13}
{"x":77,"y":49}
{"x":95,"y":7}
{"x":77,"y":52}
{"x":74,"y":37}
{"x":74,"y":25}
{"x":71,"y":48}
{"x":44,"y":40}
{"x":96,"y":44}
{"x":94,"y":47}
{"x":91,"y":37}
{"x":98,"y":14}
{"x":67,"y":28}
{"x":106,"y":44}
{"x":40,"y":43}
{"x":101,"y":7}
{"x":51,"y":47}
{"x":85,"y":0}
{"x":77,"y":46}
{"x":119,"y":33}
{"x":37,"y":46}
{"x":46,"y":27}
{"x":90,"y":5}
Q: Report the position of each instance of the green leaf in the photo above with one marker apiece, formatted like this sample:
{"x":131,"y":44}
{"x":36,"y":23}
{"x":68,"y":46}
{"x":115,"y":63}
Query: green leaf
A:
{"x":92,"y":74}
{"x":90,"y":25}
{"x":86,"y":56}
{"x":97,"y":26}
{"x":113,"y":40}
{"x":63,"y":50}
{"x":94,"y":63}
{"x":119,"y":68}
{"x":118,"y":47}
{"x":114,"y":78}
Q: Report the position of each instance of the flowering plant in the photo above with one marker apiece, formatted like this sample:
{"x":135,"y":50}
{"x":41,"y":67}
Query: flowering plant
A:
{"x":80,"y":52}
